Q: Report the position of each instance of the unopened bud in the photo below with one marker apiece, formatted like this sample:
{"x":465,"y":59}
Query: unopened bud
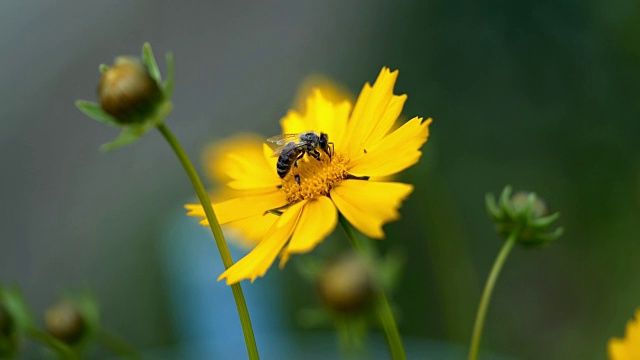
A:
{"x":64,"y":322}
{"x":127,"y":91}
{"x":520,"y":201}
{"x":347,"y":284}
{"x":524,"y":214}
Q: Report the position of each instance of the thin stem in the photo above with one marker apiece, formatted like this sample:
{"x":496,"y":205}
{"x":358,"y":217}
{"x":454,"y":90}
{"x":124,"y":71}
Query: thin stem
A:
{"x":383,"y":309}
{"x":52,"y":343}
{"x":115,"y":343}
{"x":486,"y":294}
{"x":247,"y":329}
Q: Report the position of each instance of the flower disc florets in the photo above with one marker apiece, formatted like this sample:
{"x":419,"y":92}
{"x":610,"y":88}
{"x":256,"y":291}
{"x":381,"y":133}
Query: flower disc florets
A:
{"x":316,"y":177}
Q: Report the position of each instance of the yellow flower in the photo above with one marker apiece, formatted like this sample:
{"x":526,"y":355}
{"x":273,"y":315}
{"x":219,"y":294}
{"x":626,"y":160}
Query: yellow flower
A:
{"x":629,"y":347}
{"x":292,"y":217}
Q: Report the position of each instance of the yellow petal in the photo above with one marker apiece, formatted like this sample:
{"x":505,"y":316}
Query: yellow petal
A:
{"x":617,"y":350}
{"x":369,"y":205}
{"x":328,"y":118}
{"x":629,"y":347}
{"x":271,"y":159}
{"x":394,"y":153}
{"x":258,"y":261}
{"x":250,"y":231}
{"x":330,"y":90}
{"x":250,"y":173}
{"x":318,"y":219}
{"x":374,"y":113}
{"x":293,"y":123}
{"x":237,"y":161}
{"x":321,"y":115}
{"x":241,"y":207}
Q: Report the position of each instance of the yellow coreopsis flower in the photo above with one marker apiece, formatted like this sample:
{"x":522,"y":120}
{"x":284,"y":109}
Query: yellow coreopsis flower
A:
{"x":294,"y":213}
{"x":629,"y":347}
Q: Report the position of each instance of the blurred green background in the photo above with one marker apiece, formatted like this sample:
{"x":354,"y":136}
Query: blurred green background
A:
{"x":538,"y":94}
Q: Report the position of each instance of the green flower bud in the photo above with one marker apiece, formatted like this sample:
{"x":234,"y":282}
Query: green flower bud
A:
{"x":127,"y":91}
{"x":524,"y":214}
{"x":132,"y":97}
{"x":347,"y":284}
{"x":64,"y":321}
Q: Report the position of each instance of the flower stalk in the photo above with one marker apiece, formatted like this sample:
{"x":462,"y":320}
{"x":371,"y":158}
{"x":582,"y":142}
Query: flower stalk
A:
{"x":221,"y":243}
{"x":383,"y":309}
{"x":118,"y":346}
{"x":487,"y":292}
{"x":54,"y":344}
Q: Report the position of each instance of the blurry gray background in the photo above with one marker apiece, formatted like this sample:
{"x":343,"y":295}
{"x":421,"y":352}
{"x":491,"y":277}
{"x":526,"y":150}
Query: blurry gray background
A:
{"x":542,"y":95}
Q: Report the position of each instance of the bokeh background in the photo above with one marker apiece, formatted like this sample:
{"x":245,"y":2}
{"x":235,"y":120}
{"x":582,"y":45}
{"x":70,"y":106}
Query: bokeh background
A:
{"x":538,"y":94}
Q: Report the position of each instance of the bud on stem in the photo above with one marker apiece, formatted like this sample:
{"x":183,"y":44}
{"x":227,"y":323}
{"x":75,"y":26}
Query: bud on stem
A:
{"x":127,"y":91}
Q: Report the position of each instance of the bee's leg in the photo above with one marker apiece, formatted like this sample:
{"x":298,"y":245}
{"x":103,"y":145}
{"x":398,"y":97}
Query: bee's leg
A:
{"x":295,"y":163}
{"x":331,"y":150}
{"x":297,"y":178}
{"x":315,"y":154}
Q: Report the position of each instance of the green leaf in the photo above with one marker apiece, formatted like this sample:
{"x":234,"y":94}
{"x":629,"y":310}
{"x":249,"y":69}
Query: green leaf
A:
{"x":505,"y":202}
{"x":127,"y":136}
{"x":95,"y":112}
{"x":149,"y":62}
{"x":16,"y":306}
{"x":103,"y":68}
{"x":492,"y":207}
{"x":168,"y":83}
{"x":549,"y":237}
{"x":544,"y":222}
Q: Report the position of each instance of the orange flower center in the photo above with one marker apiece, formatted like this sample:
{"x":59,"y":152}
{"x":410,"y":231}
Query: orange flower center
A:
{"x":316,"y":177}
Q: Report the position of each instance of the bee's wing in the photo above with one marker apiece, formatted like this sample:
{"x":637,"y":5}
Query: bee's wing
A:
{"x":283,"y":139}
{"x":279,"y":149}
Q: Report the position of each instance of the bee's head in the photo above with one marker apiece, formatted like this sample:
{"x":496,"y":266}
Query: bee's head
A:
{"x":323,"y":142}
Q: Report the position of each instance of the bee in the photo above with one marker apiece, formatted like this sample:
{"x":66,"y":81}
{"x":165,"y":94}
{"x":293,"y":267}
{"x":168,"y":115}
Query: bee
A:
{"x":294,"y":146}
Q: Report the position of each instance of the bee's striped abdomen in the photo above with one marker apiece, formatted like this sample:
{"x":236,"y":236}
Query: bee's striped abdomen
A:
{"x":284,"y":165}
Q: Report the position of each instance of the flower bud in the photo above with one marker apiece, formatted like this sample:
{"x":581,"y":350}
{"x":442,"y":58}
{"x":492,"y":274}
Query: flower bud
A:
{"x":64,"y":322}
{"x":524,"y":214}
{"x":347,"y":284}
{"x":127,"y":91}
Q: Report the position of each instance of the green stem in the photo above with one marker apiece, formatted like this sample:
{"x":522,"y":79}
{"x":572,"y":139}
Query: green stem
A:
{"x":247,"y":329}
{"x":54,"y":344}
{"x":117,"y":345}
{"x":383,"y":309}
{"x":486,"y":294}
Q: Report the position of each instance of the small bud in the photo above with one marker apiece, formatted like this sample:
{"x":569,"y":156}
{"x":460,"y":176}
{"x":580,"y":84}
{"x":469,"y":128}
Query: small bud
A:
{"x":127,"y":91}
{"x":524,"y":213}
{"x":64,"y":322}
{"x":347,"y":284}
